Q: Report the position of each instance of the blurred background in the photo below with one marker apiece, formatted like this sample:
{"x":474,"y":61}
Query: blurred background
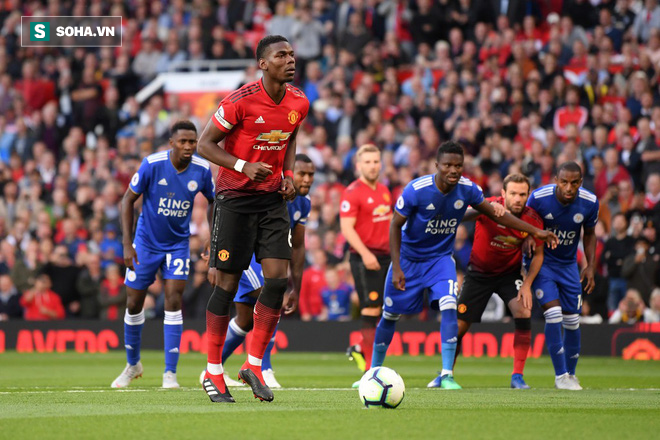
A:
{"x":524,"y":85}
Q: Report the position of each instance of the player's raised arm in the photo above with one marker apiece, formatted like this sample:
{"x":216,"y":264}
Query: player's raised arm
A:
{"x":512,"y":221}
{"x":208,"y":148}
{"x":297,"y":266}
{"x":589,"y":241}
{"x":398,"y":277}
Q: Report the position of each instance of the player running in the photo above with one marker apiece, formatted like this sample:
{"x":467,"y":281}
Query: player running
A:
{"x":566,"y":209}
{"x":252,"y":280}
{"x":421,"y":242}
{"x":258,"y":124}
{"x":169,"y":181}
{"x":495,"y":266}
{"x":365,"y":214}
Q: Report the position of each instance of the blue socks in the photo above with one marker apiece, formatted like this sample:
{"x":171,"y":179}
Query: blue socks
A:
{"x":571,"y":325}
{"x":449,"y":338}
{"x":553,"y":339}
{"x":172,"y":329}
{"x":133,"y":336}
{"x":265,"y":361}
{"x":235,"y":337}
{"x":383,"y":338}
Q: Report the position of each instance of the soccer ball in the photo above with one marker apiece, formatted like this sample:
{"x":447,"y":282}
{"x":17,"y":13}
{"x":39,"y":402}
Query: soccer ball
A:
{"x":381,"y":387}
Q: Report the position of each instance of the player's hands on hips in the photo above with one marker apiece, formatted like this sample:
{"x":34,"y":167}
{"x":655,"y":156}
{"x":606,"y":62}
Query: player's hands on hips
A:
{"x":291,"y":302}
{"x":129,"y":255}
{"x":525,"y":296}
{"x":548,"y":236}
{"x":288,"y":191}
{"x":398,"y":278}
{"x":257,"y":171}
{"x":211,"y":275}
{"x":370,"y":261}
{"x":589,"y":274}
{"x":499,"y":209}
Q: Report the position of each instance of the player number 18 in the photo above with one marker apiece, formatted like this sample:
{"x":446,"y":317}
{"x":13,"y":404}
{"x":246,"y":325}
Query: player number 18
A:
{"x":453,"y":287}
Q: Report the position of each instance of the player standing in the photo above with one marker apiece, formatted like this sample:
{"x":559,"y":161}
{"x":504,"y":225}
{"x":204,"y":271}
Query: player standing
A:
{"x":258,"y":123}
{"x":566,"y":209}
{"x":421,"y":243}
{"x":365,"y":214}
{"x":169,"y":181}
{"x":495,"y":266}
{"x":252,"y":280}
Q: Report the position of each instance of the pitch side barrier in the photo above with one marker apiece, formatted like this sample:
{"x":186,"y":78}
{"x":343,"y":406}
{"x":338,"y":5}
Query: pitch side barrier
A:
{"x":641,"y":341}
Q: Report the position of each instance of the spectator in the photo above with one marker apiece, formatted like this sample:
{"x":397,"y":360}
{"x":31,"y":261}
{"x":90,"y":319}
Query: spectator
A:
{"x":571,"y":113}
{"x":10,"y":297}
{"x":111,"y":249}
{"x":647,"y":19}
{"x":112,"y":294}
{"x":652,"y":313}
{"x":617,"y":248}
{"x":652,"y":196}
{"x":337,"y":297}
{"x":61,"y":270}
{"x":88,"y":285}
{"x":612,"y":174}
{"x":631,"y":309}
{"x":640,"y":269}
{"x":310,"y":302}
{"x":41,"y":303}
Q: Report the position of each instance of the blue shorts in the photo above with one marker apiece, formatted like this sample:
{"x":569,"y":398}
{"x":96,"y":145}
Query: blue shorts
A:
{"x":559,"y":282}
{"x":251,"y":280}
{"x":438,"y":275}
{"x":174,"y":265}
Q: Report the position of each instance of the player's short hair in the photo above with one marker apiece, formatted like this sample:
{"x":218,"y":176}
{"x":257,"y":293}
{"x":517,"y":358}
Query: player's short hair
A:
{"x":182,"y":124}
{"x":449,"y":147}
{"x":516,"y":178}
{"x":366,"y":148}
{"x":300,"y":157}
{"x":267,"y":41}
{"x":571,"y":167}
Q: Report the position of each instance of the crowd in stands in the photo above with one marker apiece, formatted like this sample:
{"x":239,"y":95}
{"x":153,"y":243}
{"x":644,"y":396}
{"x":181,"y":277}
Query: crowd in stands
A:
{"x":524,"y":85}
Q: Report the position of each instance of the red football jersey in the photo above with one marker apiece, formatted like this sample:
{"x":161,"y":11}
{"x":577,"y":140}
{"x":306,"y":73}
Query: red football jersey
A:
{"x":372,"y":210}
{"x":497,"y":249}
{"x":258,"y":130}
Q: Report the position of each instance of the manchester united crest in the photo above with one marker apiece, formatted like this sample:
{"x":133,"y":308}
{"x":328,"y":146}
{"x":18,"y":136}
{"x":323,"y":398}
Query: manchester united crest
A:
{"x":293,"y":117}
{"x":223,"y":255}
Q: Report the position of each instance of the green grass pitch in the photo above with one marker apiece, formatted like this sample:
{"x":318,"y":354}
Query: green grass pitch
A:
{"x":67,"y":396}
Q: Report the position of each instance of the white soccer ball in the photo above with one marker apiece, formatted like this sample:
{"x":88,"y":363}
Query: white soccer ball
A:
{"x":381,"y":387}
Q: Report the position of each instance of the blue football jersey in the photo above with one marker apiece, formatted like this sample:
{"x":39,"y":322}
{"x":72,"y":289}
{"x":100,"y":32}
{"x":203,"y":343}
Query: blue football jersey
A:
{"x":433,"y":216}
{"x":299,"y":209}
{"x":168,"y":197}
{"x":564,"y":221}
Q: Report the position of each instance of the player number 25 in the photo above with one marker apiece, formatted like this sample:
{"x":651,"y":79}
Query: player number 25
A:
{"x":178,"y":266}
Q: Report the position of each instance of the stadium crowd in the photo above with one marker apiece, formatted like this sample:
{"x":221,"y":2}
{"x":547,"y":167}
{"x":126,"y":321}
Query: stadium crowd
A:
{"x":523,"y":85}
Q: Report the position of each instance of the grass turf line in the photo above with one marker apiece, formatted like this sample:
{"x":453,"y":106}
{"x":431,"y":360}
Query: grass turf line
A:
{"x":67,"y":395}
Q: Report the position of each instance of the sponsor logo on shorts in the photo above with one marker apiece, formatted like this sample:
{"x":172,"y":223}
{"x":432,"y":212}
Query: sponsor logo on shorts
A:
{"x":462,"y":308}
{"x":539,"y":293}
{"x":192,"y":185}
{"x":131,"y":276}
{"x":223,"y":255}
{"x":373,"y":295}
{"x":389,"y":302}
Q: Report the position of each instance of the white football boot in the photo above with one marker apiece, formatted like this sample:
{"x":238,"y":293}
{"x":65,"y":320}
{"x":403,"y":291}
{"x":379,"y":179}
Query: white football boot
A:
{"x":130,"y":372}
